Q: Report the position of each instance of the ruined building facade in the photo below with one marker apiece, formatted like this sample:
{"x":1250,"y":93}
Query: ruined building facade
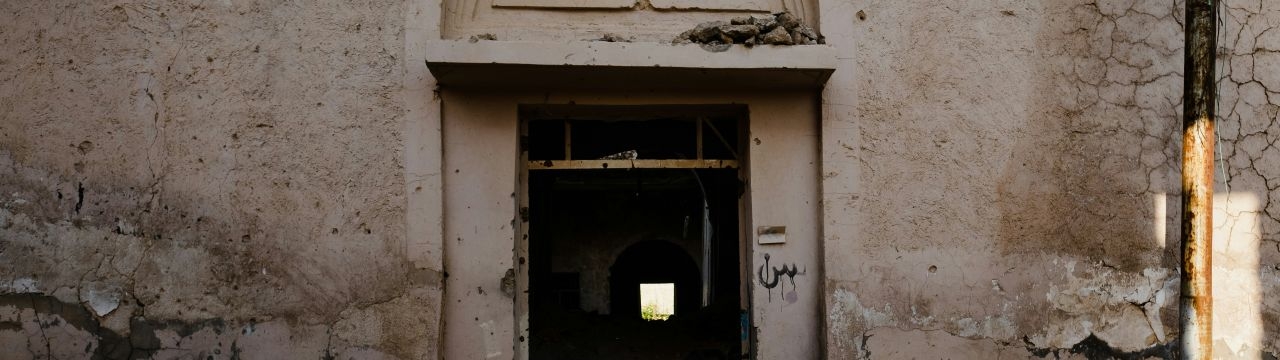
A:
{"x":458,"y":179}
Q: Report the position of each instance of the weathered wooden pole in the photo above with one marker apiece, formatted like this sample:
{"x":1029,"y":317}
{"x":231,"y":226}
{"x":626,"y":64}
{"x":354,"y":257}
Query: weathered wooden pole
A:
{"x":1198,"y":97}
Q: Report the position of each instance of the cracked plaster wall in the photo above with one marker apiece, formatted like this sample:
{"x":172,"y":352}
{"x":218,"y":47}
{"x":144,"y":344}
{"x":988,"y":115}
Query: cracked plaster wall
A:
{"x":1004,"y":179}
{"x":1247,"y":206}
{"x":195,"y":178}
{"x":1000,"y":177}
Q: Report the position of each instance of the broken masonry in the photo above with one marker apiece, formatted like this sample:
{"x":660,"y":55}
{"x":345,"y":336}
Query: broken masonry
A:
{"x":776,"y":29}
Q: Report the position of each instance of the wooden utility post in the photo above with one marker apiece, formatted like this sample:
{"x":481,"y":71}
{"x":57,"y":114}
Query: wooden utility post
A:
{"x":1198,"y":97}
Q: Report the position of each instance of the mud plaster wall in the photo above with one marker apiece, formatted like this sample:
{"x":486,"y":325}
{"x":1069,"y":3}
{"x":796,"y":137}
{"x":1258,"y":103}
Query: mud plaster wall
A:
{"x":1247,"y":206}
{"x":1002,"y":178}
{"x":197,"y":178}
{"x":213,"y":143}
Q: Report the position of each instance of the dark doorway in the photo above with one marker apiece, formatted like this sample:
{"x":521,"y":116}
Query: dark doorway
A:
{"x":596,"y":234}
{"x":653,"y":262}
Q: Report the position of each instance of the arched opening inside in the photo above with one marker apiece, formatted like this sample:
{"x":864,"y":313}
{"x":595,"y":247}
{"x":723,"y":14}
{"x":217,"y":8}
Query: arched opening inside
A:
{"x":652,"y":262}
{"x":637,"y":195}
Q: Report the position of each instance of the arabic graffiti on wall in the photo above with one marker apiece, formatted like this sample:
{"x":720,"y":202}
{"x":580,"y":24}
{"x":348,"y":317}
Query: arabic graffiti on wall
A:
{"x":771,"y":277}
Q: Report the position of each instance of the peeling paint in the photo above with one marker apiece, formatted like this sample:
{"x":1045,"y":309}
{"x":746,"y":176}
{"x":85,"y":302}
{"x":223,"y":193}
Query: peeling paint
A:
{"x":231,"y":179}
{"x":101,"y":299}
{"x":20,"y":285}
{"x":160,"y":167}
{"x":1116,"y":307}
{"x":492,"y":345}
{"x":846,"y":303}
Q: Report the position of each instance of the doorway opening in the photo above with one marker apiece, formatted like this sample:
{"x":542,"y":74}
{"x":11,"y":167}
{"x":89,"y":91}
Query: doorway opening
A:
{"x":634,"y":223}
{"x":657,"y":301}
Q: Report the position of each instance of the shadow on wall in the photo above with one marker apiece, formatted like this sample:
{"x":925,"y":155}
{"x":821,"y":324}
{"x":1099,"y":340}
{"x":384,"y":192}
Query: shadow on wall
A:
{"x":204,"y":180}
{"x":1085,"y":187}
{"x":1086,"y":166}
{"x":1096,"y":177}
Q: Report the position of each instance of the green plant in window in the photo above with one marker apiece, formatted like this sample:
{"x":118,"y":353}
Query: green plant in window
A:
{"x":650,"y":312}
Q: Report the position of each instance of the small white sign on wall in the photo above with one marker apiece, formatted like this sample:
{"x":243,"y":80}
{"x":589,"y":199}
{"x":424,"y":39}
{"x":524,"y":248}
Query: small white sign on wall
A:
{"x":771,"y":234}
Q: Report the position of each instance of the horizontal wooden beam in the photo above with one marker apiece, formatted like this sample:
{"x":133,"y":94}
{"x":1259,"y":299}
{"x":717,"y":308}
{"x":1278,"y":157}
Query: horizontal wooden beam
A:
{"x":631,"y":164}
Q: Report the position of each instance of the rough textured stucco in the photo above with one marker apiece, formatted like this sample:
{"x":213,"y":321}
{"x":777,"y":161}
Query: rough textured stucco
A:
{"x":1247,"y":203}
{"x":230,"y":167}
{"x":1014,"y":171}
{"x":999,"y":178}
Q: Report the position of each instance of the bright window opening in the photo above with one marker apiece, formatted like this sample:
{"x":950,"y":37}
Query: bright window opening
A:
{"x":657,"y":301}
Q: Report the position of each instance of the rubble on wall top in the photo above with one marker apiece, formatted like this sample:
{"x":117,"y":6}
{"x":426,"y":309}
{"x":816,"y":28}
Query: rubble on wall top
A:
{"x":611,"y":37}
{"x":775,"y":29}
{"x":485,"y":36}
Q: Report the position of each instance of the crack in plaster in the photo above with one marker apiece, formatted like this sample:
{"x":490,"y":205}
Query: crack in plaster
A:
{"x":184,"y":251}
